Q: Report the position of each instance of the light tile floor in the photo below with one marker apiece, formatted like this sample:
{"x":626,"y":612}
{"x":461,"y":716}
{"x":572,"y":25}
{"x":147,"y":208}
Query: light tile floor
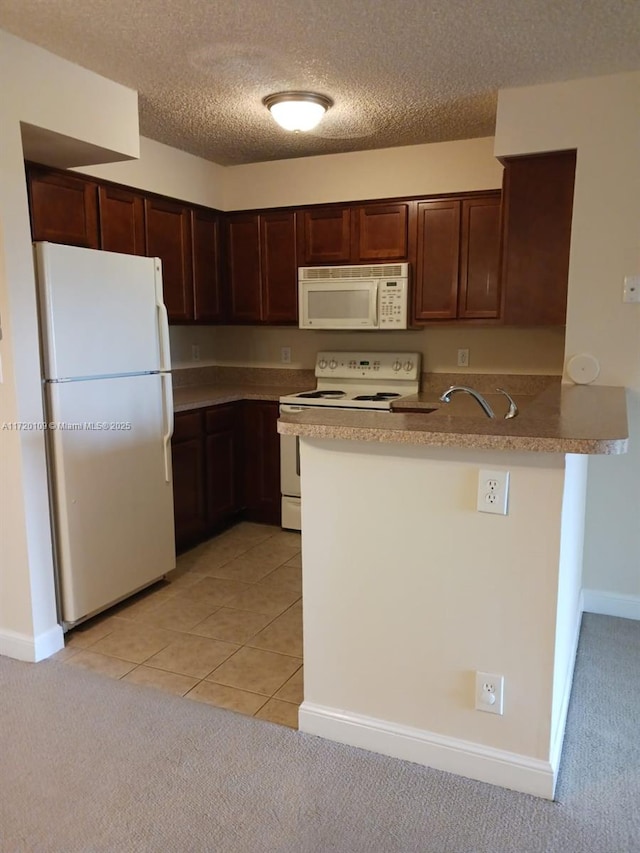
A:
{"x":225,"y":627}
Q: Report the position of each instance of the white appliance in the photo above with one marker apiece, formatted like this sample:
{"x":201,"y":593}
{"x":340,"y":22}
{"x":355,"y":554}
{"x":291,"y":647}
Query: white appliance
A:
{"x":362,"y":297}
{"x":345,"y":380}
{"x":108,"y":401}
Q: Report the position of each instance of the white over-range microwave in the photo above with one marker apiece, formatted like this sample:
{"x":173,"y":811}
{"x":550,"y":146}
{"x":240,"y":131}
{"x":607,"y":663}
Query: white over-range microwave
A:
{"x":356,"y":297}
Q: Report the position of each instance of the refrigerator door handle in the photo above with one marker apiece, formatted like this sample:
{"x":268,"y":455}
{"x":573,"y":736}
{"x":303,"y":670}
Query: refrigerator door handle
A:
{"x":167,"y":417}
{"x":163,"y":322}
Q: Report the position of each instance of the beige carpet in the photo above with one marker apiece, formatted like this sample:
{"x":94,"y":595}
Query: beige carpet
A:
{"x":92,"y":765}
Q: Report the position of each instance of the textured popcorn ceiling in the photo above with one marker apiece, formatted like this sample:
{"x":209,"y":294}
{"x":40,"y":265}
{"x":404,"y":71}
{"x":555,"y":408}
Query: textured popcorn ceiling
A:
{"x":400,"y":72}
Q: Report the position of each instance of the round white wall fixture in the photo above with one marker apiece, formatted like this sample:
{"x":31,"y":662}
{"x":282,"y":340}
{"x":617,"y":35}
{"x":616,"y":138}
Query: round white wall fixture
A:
{"x":583,"y":368}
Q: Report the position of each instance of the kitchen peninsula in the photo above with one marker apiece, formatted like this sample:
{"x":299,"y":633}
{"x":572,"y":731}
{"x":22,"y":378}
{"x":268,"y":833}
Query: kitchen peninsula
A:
{"x":409,"y":590}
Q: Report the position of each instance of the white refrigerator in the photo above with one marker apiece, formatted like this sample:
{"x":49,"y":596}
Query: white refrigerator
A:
{"x":109,"y":409}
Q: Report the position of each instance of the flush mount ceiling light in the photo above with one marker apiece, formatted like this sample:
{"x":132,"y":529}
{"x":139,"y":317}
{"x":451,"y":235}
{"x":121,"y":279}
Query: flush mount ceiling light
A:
{"x":297,"y":111}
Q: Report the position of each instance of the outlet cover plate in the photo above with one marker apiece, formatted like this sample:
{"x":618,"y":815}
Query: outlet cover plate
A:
{"x":490,"y":692}
{"x":493,"y":491}
{"x":463,"y":358}
{"x":631,"y":289}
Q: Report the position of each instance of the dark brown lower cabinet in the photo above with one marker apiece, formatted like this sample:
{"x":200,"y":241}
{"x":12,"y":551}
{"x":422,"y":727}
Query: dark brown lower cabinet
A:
{"x":223,"y":455}
{"x":226,"y":466}
{"x":189,"y":494}
{"x":261,"y":462}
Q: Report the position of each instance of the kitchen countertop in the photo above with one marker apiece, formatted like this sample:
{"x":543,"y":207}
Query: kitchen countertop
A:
{"x":562,"y":419}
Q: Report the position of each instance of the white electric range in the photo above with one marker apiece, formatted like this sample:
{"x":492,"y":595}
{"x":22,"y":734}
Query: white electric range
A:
{"x":345,"y":380}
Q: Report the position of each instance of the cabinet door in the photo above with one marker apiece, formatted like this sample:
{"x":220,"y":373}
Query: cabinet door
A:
{"x":436,"y":285}
{"x":223,"y":442}
{"x":479,"y":292}
{"x":243,"y":263}
{"x":64,"y":209}
{"x":262,"y":462}
{"x":121,"y":221}
{"x":325,"y":235}
{"x":168,"y":237}
{"x":538,"y":206}
{"x":279,"y":268}
{"x":381,"y":232}
{"x":187,"y":452}
{"x":206,"y":259}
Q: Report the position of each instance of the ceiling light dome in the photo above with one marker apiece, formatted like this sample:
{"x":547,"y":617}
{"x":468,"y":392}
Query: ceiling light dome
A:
{"x":297,"y":111}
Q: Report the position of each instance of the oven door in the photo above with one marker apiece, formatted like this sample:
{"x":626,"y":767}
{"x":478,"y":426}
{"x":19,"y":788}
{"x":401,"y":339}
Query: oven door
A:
{"x":290,"y":474}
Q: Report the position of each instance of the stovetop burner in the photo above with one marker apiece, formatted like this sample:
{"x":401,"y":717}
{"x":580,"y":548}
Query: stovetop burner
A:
{"x":359,"y":380}
{"x":380,"y":395}
{"x":330,"y":395}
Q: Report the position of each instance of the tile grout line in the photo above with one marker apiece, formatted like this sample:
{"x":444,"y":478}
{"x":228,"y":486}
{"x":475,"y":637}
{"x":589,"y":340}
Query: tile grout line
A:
{"x":188,"y":632}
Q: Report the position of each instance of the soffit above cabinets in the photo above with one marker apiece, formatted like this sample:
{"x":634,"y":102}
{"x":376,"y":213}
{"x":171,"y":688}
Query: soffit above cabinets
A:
{"x":401,"y":73}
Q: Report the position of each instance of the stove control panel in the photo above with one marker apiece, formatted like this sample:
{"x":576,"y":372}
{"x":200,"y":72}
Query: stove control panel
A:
{"x":369,"y":365}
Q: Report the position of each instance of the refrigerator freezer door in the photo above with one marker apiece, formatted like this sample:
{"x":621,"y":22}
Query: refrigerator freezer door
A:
{"x":112,"y":502}
{"x":99,"y":312}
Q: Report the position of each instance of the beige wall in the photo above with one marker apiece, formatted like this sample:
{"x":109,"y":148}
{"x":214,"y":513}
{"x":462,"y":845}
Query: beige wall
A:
{"x":169,"y":172}
{"x":442,"y":167}
{"x":492,"y":350}
{"x":435,"y":606}
{"x":601,"y":118}
{"x":70,"y":104}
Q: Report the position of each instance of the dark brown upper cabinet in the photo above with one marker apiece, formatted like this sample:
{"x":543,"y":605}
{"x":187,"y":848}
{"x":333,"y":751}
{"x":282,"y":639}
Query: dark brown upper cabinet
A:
{"x":325,"y":235}
{"x":121,"y":221}
{"x":457,"y":259}
{"x":64,"y":208}
{"x":168,"y":237}
{"x":355,"y":234}
{"x":207,"y":295}
{"x":381,"y":232}
{"x":479,"y":291}
{"x":262,"y":268}
{"x":243,"y":267}
{"x":279,"y":267}
{"x":437,"y":262}
{"x":537,"y":212}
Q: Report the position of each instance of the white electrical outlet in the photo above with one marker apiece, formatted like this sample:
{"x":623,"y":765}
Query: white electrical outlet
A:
{"x":493,"y":491}
{"x":285,"y":355}
{"x":463,"y":358}
{"x":195,"y":352}
{"x":631,"y":289}
{"x":490,"y":692}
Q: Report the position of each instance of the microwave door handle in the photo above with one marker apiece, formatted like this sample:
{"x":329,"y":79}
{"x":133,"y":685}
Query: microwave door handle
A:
{"x":374,"y":298}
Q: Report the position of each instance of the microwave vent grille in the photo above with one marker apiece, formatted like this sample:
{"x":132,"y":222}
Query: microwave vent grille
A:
{"x":360,"y":272}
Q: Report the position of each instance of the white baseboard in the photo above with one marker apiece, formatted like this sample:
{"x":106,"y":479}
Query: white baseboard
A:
{"x":33,"y":649}
{"x":473,"y":760}
{"x":611,"y":603}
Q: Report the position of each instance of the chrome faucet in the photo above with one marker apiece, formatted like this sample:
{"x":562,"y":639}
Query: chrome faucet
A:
{"x":513,"y":409}
{"x":486,"y":408}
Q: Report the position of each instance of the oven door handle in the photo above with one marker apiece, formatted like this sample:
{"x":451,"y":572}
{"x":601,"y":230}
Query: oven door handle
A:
{"x":298,"y":455}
